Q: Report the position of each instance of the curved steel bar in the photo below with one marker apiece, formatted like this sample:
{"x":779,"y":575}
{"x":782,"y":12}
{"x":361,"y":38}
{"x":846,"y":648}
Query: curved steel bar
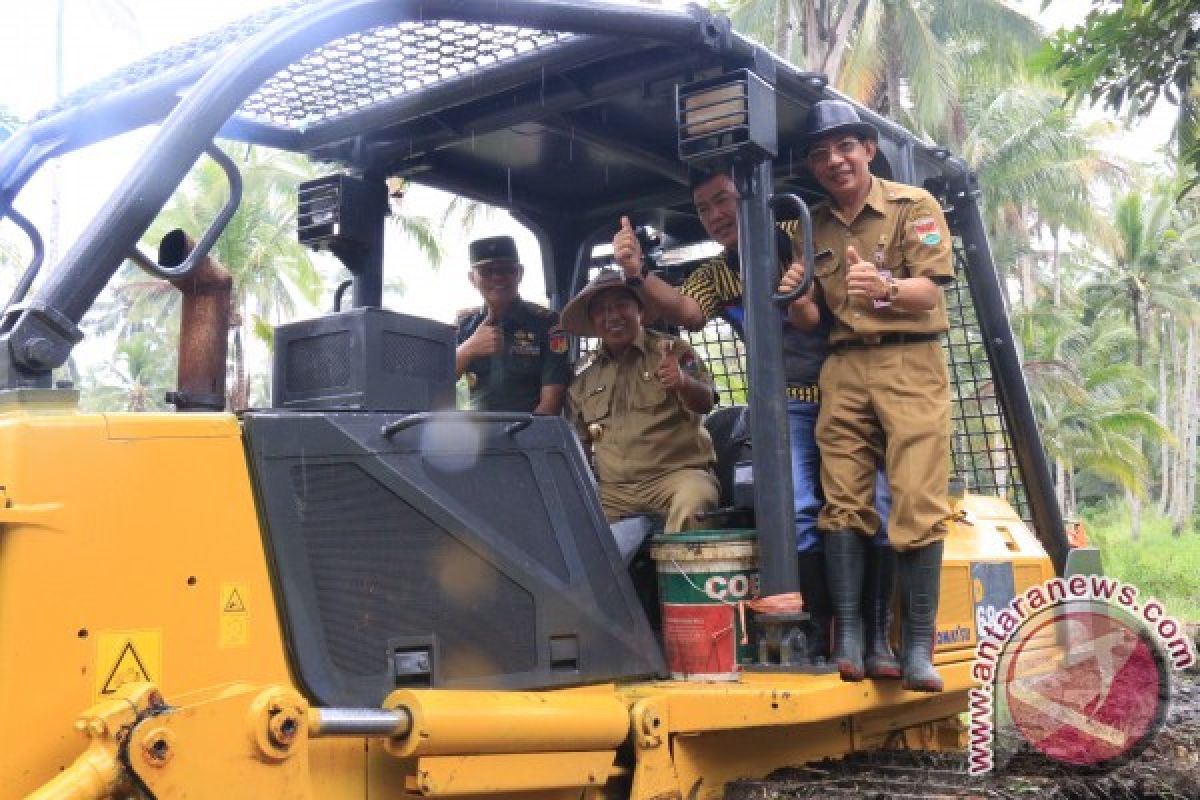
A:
{"x":340,"y":293}
{"x":801,"y":208}
{"x":200,"y":251}
{"x":35,"y":263}
{"x":517,"y":422}
{"x":215,"y":97}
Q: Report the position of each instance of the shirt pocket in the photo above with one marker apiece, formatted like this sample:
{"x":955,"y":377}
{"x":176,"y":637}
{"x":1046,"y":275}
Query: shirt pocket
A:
{"x":893,"y":260}
{"x":648,"y":394}
{"x":597,"y":405}
{"x":525,"y":364}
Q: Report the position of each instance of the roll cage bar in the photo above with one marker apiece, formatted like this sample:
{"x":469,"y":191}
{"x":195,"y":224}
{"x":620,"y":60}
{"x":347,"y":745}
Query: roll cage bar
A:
{"x":559,"y":110}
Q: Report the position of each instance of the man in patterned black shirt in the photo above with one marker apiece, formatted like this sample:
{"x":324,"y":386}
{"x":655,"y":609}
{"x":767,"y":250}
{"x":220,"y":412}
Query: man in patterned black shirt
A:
{"x":714,"y":289}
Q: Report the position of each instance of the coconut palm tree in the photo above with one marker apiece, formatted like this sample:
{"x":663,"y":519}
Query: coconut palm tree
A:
{"x":1090,"y":399}
{"x":900,"y":57}
{"x":137,"y":378}
{"x":273,"y":274}
{"x":1038,"y":169}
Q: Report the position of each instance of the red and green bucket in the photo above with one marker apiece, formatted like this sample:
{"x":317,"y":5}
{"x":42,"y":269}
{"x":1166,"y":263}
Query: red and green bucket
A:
{"x":702,"y":578}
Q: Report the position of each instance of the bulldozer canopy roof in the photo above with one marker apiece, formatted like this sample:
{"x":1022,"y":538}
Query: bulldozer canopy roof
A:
{"x":554,"y":110}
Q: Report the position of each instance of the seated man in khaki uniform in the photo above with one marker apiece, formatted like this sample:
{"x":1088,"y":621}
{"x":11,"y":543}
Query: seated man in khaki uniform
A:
{"x":637,"y":403}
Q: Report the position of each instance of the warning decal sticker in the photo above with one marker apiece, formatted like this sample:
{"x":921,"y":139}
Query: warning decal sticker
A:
{"x":233,"y":601}
{"x":127,"y":657}
{"x":235,"y":615}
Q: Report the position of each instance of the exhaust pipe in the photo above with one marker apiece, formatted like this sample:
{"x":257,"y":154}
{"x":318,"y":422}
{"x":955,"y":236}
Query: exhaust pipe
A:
{"x":203,"y":327}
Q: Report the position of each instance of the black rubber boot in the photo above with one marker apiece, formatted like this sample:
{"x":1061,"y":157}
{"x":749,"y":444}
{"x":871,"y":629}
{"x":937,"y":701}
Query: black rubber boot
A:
{"x":816,"y":602}
{"x":920,"y":581}
{"x":844,"y":558}
{"x":879,"y":580}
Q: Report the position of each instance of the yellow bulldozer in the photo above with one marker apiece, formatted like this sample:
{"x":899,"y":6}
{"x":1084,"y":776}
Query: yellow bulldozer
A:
{"x":335,"y":596}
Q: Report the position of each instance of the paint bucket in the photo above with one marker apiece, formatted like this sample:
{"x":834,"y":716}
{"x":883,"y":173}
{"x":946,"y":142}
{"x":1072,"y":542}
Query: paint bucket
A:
{"x":701,"y":577}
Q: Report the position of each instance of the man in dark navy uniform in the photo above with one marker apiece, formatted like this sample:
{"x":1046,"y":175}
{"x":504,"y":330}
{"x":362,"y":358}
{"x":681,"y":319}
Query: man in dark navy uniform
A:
{"x":513,"y":353}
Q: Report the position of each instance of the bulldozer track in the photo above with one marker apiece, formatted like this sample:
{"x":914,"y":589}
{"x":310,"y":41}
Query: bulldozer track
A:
{"x":1168,"y":769}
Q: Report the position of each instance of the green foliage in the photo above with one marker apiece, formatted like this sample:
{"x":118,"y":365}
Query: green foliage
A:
{"x":1129,"y":53}
{"x":1160,"y":565}
{"x":138,"y":377}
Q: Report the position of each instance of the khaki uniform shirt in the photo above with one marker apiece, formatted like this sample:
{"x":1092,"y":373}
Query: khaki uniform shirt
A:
{"x":637,"y":429}
{"x":902,"y":229}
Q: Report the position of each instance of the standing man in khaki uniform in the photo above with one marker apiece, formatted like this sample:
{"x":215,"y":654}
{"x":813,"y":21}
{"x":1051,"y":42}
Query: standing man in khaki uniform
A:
{"x":883,"y":252}
{"x":639,"y":401}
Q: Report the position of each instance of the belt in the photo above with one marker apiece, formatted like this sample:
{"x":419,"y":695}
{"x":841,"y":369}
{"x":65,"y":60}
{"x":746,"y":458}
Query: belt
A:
{"x":882,"y":339}
{"x":807,"y":393}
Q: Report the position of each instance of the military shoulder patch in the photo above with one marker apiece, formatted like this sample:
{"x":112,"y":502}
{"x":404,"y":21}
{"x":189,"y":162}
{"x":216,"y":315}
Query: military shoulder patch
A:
{"x":927,"y":231}
{"x":557,"y":339}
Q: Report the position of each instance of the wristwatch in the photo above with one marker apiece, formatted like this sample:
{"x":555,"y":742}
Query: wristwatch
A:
{"x":893,"y":290}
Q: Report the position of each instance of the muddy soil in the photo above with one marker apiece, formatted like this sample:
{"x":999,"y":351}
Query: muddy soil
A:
{"x":1168,"y":768}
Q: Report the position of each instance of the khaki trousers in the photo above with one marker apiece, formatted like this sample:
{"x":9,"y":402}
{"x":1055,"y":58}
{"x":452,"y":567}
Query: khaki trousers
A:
{"x":890,"y":405}
{"x":677,"y":495}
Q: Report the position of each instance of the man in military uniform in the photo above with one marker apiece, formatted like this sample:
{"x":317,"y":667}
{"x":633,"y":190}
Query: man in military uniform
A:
{"x":638,"y":401}
{"x":882,"y":253}
{"x":513,"y":353}
{"x":714,"y":289}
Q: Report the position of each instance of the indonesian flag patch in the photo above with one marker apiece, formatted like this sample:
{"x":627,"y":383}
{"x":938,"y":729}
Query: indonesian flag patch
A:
{"x":927,"y":230}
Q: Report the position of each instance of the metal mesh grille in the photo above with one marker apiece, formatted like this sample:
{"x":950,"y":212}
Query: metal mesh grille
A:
{"x":374,"y":558}
{"x":346,"y":75}
{"x":208,"y":46}
{"x":725,"y":356}
{"x":414,"y":357}
{"x":363,"y":69}
{"x":980,"y":444}
{"x":506,"y":475}
{"x":319,"y":362}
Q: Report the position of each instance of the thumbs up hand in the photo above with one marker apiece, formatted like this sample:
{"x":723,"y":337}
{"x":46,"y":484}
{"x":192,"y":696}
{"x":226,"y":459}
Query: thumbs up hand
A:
{"x":627,"y":252}
{"x":488,"y":338}
{"x":669,"y":372}
{"x":862,"y":277}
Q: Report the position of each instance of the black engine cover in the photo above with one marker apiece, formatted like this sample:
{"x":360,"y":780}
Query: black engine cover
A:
{"x":463,"y":551}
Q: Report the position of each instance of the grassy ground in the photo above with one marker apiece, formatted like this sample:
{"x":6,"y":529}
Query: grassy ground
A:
{"x":1159,"y":564}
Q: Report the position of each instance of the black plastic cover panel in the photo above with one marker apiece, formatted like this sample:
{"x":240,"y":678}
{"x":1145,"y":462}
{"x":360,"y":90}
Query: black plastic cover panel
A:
{"x":463,"y":552}
{"x":364,"y":359}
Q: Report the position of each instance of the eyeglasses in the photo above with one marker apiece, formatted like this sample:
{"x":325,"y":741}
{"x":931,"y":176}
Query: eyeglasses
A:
{"x":843,"y":147}
{"x":497,"y":270}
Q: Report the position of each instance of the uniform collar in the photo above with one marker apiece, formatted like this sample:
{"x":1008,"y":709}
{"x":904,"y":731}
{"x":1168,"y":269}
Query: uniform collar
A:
{"x":639,"y":342}
{"x":876,"y":201}
{"x":517,"y":309}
